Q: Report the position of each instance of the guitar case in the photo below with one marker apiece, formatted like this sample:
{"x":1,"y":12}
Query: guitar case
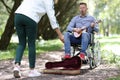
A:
{"x":61,"y":71}
{"x":69,"y":66}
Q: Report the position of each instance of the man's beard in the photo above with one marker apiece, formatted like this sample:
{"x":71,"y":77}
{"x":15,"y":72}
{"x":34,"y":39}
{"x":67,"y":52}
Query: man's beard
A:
{"x":82,"y":13}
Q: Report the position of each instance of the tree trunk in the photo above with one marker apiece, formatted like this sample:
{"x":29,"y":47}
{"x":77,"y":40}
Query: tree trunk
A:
{"x":9,"y":28}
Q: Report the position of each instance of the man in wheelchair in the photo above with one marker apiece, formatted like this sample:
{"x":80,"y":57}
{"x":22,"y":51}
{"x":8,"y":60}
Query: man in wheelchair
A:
{"x":78,"y":32}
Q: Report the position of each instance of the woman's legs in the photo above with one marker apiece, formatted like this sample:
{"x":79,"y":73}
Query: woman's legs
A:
{"x":20,"y":29}
{"x":26,"y":29}
{"x":31,"y":30}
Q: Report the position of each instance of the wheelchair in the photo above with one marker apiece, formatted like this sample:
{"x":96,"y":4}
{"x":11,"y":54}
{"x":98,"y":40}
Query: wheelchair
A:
{"x":93,"y":51}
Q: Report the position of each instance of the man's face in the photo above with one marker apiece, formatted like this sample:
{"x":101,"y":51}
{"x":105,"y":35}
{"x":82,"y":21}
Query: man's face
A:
{"x":83,"y":9}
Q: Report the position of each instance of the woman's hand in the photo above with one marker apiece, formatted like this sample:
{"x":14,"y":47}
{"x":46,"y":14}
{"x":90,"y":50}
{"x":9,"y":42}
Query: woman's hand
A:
{"x":60,"y":35}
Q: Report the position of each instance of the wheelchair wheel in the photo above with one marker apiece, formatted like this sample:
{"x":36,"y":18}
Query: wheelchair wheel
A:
{"x":91,"y":63}
{"x":93,"y":53}
{"x":97,"y":55}
{"x":90,"y":55}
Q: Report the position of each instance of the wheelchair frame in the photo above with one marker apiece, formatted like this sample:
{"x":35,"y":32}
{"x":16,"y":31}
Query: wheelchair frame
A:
{"x":93,"y":51}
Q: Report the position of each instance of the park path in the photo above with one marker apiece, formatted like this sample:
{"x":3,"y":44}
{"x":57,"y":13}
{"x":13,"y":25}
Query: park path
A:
{"x":102,"y":72}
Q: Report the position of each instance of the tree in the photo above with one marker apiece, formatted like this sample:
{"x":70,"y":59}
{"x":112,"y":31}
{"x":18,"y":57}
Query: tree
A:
{"x":108,"y":10}
{"x":63,"y":8}
{"x":9,"y":28}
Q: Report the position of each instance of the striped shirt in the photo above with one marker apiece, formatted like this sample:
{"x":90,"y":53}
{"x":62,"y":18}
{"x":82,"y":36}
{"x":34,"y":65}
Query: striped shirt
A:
{"x":79,"y":22}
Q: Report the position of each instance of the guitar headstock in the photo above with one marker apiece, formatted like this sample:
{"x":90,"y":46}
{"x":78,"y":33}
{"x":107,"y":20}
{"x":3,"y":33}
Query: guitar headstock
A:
{"x":98,"y":21}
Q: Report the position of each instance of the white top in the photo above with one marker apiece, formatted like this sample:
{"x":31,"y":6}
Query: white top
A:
{"x":35,"y":9}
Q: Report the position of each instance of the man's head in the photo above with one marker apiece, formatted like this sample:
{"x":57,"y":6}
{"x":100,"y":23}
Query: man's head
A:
{"x":83,"y":8}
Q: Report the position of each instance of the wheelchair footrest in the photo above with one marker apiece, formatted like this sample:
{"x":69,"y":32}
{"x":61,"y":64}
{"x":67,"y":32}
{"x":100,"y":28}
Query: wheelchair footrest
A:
{"x":85,"y":62}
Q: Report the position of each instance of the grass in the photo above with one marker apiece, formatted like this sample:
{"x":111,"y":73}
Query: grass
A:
{"x":41,"y":47}
{"x":110,"y":48}
{"x":115,"y":78}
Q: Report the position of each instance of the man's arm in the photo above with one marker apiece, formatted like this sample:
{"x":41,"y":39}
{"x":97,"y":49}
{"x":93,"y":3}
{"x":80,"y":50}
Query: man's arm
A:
{"x":71,"y":26}
{"x":94,"y":25}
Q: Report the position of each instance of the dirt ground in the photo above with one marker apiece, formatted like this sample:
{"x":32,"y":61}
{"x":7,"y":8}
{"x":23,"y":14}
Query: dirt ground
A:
{"x":101,"y":72}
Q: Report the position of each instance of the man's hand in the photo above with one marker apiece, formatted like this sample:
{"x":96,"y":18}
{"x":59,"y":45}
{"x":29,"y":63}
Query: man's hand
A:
{"x":92,"y":24}
{"x":78,"y":30}
{"x":60,"y":35}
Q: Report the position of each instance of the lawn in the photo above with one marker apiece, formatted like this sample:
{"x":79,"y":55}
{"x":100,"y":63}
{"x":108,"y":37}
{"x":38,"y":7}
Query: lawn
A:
{"x":115,"y":78}
{"x":41,"y":47}
{"x":110,"y":48}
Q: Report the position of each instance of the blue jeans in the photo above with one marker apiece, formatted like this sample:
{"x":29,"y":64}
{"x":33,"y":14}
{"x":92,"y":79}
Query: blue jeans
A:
{"x":69,"y":39}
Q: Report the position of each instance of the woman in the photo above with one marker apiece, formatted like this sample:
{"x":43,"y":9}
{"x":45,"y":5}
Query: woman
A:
{"x":27,"y":16}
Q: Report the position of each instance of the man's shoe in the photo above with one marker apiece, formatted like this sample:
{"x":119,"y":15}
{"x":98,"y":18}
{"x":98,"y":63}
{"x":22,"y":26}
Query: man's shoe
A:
{"x":82,"y":56}
{"x":67,"y":56}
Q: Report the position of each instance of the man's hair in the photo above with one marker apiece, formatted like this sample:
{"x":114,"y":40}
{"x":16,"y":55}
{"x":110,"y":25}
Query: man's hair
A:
{"x":83,"y":3}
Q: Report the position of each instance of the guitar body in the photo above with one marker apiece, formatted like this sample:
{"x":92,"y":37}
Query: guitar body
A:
{"x":76,"y":35}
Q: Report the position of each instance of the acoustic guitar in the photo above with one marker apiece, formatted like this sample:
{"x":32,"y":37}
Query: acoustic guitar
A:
{"x":83,"y":29}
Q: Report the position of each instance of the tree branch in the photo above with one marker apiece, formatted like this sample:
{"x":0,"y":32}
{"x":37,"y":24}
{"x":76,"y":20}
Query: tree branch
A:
{"x":6,"y":6}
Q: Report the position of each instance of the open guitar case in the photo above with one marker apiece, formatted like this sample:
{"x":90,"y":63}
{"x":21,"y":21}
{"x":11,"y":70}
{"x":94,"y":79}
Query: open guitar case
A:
{"x":69,"y":66}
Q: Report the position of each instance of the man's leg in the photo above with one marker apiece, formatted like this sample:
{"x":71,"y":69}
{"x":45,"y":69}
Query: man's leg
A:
{"x":67,"y":44}
{"x":84,"y":43}
{"x":68,"y":40}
